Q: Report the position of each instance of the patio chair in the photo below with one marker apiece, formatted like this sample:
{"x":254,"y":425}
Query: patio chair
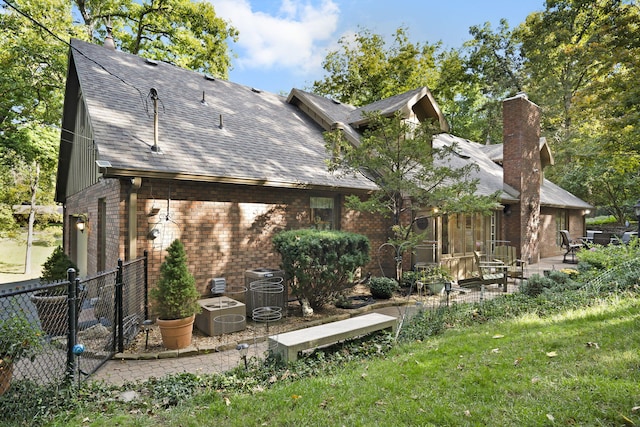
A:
{"x":603,"y":239}
{"x":488,"y":273}
{"x":507,"y":255}
{"x":570,"y":246}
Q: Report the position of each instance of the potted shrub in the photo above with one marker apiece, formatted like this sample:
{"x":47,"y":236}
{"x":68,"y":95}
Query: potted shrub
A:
{"x":176,"y":297}
{"x":19,"y":339}
{"x":51,"y":303}
{"x":434,"y":277}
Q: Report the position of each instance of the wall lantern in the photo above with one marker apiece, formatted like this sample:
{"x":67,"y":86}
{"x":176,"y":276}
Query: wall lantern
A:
{"x":154,"y":233}
{"x":81,"y":222}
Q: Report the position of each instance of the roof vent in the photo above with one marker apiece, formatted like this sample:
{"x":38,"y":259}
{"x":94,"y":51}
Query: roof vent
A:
{"x":150,"y":61}
{"x":108,"y":40}
{"x":153,"y":94}
{"x":209,"y":77}
{"x":335,"y":101}
{"x":203,"y":102}
{"x":253,"y":89}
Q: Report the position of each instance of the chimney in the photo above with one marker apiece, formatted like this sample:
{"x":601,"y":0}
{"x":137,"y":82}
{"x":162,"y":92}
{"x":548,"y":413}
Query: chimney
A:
{"x":522,"y":170}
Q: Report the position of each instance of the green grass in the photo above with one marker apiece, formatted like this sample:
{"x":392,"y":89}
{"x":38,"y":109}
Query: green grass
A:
{"x":529,"y":371}
{"x":12,"y":253}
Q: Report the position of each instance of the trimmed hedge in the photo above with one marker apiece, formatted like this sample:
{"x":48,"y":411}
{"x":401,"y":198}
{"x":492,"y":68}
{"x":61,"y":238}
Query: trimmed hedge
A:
{"x":321,"y":264}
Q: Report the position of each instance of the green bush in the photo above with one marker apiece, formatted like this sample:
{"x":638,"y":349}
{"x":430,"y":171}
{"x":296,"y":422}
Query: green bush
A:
{"x":56,"y":266}
{"x":409,"y":278}
{"x":606,"y":257}
{"x":383,"y":287}
{"x":601,"y":220}
{"x":320,"y":264}
{"x":176,"y":294}
{"x":535,"y":285}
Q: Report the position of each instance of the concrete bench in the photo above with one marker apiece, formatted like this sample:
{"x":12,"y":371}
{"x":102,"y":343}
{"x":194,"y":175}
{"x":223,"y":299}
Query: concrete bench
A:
{"x":288,"y":345}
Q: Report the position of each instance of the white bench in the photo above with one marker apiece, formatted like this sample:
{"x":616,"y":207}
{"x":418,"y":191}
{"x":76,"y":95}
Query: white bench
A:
{"x":288,"y":345}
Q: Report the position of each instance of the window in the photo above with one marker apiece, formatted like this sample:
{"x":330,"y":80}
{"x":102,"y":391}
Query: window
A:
{"x":322,"y":213}
{"x":466,"y":233}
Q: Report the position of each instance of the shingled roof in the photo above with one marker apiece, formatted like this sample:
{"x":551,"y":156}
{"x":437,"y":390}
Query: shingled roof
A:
{"x":238,"y":134}
{"x":218,"y":131}
{"x":488,"y":158}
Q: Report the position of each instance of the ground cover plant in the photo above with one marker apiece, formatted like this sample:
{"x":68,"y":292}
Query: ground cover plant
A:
{"x":575,"y":367}
{"x":566,"y":355}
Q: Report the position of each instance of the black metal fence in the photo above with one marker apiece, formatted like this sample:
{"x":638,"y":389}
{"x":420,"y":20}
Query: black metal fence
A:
{"x":82,"y":322}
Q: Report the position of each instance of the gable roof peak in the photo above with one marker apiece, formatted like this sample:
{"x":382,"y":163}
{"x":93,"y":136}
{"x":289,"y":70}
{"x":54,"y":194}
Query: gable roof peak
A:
{"x":419,"y":102}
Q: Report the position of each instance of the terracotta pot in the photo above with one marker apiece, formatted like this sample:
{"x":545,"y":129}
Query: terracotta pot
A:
{"x":6,"y":373}
{"x":176,"y":334}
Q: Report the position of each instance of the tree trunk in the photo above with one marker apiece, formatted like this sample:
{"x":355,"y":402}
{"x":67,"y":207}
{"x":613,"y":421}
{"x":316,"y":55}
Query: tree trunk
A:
{"x":32,"y":219}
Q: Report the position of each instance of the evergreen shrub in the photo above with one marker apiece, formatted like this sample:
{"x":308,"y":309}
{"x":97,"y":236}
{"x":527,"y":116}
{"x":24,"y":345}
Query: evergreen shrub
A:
{"x":176,"y":293}
{"x":319,"y":264}
{"x":383,"y":287}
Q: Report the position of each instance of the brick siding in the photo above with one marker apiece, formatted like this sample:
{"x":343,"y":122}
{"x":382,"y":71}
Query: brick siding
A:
{"x":226,"y":229}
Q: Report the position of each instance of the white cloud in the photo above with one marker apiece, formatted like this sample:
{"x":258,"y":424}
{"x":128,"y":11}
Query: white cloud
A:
{"x":294,"y":37}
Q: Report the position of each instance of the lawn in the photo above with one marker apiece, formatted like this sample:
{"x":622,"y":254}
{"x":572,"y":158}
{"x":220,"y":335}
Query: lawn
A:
{"x":581,"y":367}
{"x":12,"y":254}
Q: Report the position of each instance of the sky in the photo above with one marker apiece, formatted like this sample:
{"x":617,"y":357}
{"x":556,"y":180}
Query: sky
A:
{"x":282,"y":43}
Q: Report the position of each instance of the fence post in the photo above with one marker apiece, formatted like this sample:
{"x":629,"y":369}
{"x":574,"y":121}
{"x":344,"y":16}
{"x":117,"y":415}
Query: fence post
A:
{"x":146,"y":284}
{"x":72,"y":296}
{"x":119,"y":310}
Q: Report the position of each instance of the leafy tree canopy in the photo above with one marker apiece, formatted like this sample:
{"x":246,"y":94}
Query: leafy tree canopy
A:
{"x":183,"y":32}
{"x":365,"y":69}
{"x":400,"y":157}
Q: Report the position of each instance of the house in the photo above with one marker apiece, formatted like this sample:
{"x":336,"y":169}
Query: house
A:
{"x":150,"y":152}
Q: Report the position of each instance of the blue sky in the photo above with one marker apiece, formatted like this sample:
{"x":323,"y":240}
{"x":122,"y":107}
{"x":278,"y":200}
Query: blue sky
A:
{"x":282,"y":42}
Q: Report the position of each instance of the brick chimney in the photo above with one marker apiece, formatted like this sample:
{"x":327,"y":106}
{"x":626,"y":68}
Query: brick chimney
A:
{"x":522,"y":171}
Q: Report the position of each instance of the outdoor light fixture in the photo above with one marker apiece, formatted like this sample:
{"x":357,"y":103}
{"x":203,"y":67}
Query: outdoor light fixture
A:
{"x":154,"y":234}
{"x":243,"y":348}
{"x":147,"y":327}
{"x":636,"y":210}
{"x":447,"y":288}
{"x":81,"y":222}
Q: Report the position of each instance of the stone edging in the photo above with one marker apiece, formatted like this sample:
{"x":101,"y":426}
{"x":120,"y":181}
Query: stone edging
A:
{"x":195,"y":351}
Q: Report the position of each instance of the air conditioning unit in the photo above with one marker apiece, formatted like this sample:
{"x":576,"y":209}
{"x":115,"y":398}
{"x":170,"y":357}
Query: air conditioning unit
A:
{"x":218,"y":285}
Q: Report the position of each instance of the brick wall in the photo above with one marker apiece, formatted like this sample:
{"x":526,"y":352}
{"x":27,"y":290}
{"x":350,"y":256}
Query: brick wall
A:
{"x":227,"y":229}
{"x":86,"y":202}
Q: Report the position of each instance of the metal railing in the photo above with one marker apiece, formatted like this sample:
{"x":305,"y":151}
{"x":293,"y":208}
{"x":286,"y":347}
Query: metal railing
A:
{"x":82,"y":322}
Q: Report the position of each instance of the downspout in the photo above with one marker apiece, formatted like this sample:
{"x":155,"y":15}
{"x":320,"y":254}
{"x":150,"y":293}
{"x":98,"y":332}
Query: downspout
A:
{"x":133,"y":218}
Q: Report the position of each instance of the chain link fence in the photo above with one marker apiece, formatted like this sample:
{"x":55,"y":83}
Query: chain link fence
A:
{"x":80,"y":323}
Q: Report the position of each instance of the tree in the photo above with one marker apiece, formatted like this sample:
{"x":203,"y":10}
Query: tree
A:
{"x":365,"y":70}
{"x":33,"y":58}
{"x":31,"y":85}
{"x":183,"y":32}
{"x":33,"y":63}
{"x":410,"y":171}
{"x":494,"y":67}
{"x":578,"y":60}
{"x":31,"y":151}
{"x":582,"y":61}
